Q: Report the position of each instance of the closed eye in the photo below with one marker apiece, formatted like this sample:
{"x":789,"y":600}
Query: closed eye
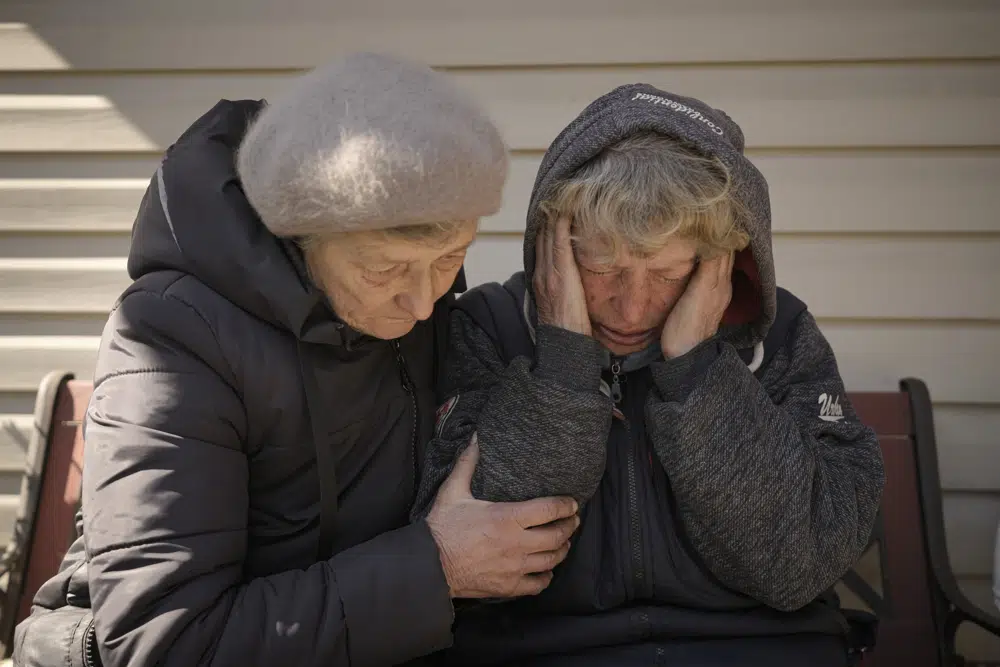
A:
{"x":670,"y":279}
{"x":381,"y":272}
{"x":599,"y":272}
{"x":451,"y":261}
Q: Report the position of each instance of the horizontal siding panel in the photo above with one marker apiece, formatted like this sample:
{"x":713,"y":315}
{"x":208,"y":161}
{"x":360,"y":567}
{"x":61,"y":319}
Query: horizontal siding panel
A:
{"x":112,"y":35}
{"x":78,"y":166}
{"x":15,"y":435}
{"x":843,"y":276}
{"x":18,"y":402}
{"x":793,"y":106}
{"x":860,"y":192}
{"x":971,"y":522}
{"x":47,"y":247}
{"x":883,"y":193}
{"x":967,"y":437}
{"x":22,"y":49}
{"x":8,"y":512}
{"x":850,"y":277}
{"x":26,"y":359}
{"x":63,"y":285}
{"x":66,"y":122}
{"x":69,"y":205}
{"x":10,"y":486}
{"x":874,"y":357}
{"x":52,"y":324}
{"x":775,"y":106}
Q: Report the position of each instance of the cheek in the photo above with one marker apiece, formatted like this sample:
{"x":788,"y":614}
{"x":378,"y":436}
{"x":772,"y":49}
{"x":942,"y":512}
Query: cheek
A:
{"x":443,"y":280}
{"x":353,"y":295}
{"x":374,"y":299}
{"x":597,"y":291}
{"x":667,"y":296}
{"x":602,"y":297}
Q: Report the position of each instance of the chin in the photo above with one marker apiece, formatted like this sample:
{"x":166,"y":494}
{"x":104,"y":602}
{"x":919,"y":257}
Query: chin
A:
{"x":623,"y":350}
{"x":620,"y":350}
{"x":390,"y":329}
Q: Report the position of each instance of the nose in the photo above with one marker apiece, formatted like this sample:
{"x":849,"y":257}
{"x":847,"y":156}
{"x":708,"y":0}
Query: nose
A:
{"x":632,"y":301}
{"x":418,"y":300}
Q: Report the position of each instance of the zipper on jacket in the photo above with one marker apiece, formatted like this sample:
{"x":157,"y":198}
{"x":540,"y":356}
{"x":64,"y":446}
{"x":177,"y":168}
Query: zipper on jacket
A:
{"x":404,"y":374}
{"x":91,"y":657}
{"x":616,"y":385}
{"x":634,"y":522}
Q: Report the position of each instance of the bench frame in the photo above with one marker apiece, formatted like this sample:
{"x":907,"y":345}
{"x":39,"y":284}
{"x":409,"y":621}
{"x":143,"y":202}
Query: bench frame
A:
{"x":952,"y":607}
{"x":50,"y":496}
{"x":920,"y":606}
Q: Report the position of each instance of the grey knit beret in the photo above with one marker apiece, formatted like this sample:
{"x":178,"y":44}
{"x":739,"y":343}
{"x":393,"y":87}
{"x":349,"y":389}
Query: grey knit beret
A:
{"x":370,"y":142}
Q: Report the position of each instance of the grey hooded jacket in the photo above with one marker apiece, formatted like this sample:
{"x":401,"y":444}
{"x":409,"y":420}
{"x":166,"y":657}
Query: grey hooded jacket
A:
{"x":736,"y":490}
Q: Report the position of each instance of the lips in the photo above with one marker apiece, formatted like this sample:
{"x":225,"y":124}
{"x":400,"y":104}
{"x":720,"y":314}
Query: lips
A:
{"x":625,"y":338}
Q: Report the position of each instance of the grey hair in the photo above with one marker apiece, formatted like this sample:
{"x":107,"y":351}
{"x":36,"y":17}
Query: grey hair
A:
{"x":642,"y":191}
{"x":434,"y":234}
{"x":371,"y":142}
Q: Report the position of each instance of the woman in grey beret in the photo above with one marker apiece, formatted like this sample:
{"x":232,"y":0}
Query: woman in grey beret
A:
{"x":265,"y":388}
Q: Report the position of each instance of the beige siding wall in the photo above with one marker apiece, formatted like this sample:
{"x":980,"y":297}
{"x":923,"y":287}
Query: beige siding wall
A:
{"x":876,"y":123}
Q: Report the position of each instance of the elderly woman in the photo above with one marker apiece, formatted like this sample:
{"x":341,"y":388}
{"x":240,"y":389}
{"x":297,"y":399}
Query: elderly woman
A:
{"x":646,"y":364}
{"x":264,"y":393}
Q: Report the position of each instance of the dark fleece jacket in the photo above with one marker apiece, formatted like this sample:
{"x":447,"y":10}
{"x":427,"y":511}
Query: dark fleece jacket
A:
{"x":754,"y":481}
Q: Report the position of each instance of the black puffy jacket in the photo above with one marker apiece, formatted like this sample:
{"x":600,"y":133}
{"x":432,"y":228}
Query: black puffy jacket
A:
{"x":250,"y":460}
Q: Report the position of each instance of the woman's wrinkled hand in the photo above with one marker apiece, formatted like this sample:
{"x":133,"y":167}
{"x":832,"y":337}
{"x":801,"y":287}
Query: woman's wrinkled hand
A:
{"x":497,"y":550}
{"x":699,"y":311}
{"x":557,"y":285}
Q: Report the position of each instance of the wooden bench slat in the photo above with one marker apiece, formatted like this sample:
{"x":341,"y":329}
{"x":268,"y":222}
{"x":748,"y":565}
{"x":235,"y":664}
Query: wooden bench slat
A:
{"x":887,"y":413}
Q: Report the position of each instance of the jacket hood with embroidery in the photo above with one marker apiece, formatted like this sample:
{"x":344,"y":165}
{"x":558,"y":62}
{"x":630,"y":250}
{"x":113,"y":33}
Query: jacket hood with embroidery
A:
{"x":631,"y":109}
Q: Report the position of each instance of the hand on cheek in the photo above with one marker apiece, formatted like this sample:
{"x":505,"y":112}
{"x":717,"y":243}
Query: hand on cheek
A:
{"x":697,"y":315}
{"x":556,"y":283}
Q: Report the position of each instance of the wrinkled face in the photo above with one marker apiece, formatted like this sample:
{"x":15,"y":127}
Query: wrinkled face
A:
{"x":382,"y":286}
{"x":628,"y":299}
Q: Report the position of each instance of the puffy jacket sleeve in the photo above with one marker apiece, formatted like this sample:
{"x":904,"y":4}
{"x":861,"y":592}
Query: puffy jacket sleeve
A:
{"x":542,"y":424}
{"x":778,"y":494}
{"x":165,"y":509}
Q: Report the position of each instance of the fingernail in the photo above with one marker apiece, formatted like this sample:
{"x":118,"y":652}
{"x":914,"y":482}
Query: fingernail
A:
{"x":576,"y":507}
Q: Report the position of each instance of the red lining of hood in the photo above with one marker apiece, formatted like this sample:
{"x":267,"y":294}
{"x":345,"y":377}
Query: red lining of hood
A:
{"x":745,"y":306}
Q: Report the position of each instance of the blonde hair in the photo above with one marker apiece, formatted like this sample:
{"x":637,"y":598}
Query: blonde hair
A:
{"x":643,"y":191}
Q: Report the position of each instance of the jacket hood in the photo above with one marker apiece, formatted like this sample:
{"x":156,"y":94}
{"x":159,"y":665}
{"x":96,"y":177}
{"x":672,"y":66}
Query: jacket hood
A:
{"x":635,"y":108}
{"x":194,"y":218}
